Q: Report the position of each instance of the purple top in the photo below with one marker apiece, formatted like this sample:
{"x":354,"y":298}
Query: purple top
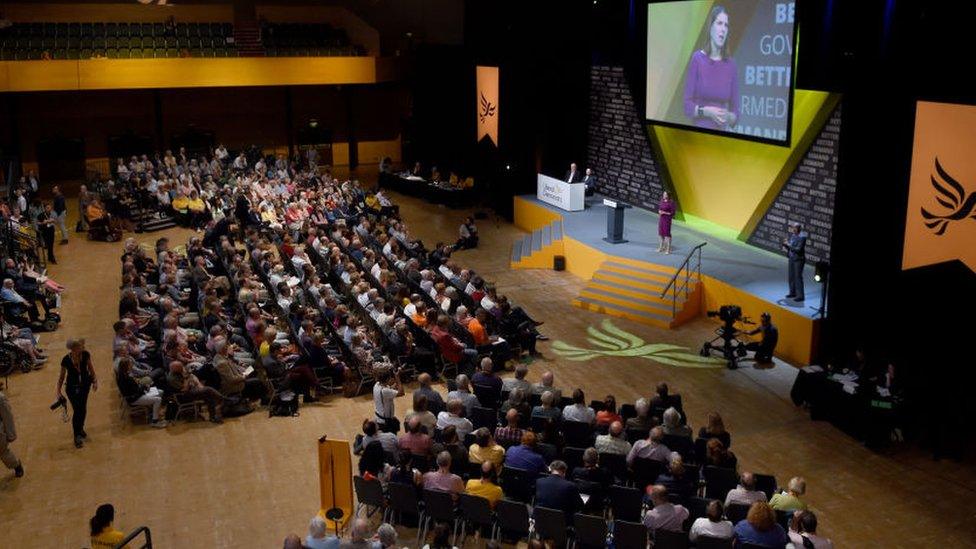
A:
{"x":710,"y":83}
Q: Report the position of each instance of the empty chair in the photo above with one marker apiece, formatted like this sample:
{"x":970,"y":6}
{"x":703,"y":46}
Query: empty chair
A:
{"x":708,"y":542}
{"x":591,"y":531}
{"x":667,"y":539}
{"x":573,"y":457}
{"x":403,"y":501}
{"x":578,"y":433}
{"x":646,"y":471}
{"x":719,"y":481}
{"x":548,"y":451}
{"x":765,"y":484}
{"x":629,"y":535}
{"x":626,"y":503}
{"x":369,"y":496}
{"x":484,"y":417}
{"x":550,"y":524}
{"x":633,"y":435}
{"x":736,"y":512}
{"x":438,"y":507}
{"x":682,"y":445}
{"x":513,"y":520}
{"x":697,"y":508}
{"x":518,"y":484}
{"x":475,"y":511}
{"x":616,"y":465}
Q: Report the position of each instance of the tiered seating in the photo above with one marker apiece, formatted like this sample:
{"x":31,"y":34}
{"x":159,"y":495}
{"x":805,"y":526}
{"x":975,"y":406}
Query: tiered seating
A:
{"x":306,"y":40}
{"x":36,"y":41}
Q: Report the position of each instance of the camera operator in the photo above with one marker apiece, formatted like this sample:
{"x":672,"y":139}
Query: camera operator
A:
{"x":770,"y":336}
{"x":77,"y":370}
{"x":387,"y":388}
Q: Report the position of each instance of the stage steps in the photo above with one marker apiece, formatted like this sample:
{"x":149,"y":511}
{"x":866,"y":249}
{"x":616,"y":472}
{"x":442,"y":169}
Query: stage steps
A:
{"x":537,"y":250}
{"x":632,"y":289}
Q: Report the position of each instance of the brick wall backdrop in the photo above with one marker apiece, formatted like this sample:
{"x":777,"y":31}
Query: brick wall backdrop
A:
{"x":807,"y":197}
{"x":618,"y":150}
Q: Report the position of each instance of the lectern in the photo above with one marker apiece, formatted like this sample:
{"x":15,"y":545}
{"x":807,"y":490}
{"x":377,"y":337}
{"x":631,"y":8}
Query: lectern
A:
{"x":615,"y":221}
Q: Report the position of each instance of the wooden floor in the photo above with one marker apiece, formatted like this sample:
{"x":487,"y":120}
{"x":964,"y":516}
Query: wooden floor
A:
{"x":253,"y":480}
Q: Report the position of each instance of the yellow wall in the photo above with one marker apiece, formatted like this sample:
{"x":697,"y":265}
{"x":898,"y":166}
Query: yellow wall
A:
{"x":724,"y":180}
{"x":102,"y":74}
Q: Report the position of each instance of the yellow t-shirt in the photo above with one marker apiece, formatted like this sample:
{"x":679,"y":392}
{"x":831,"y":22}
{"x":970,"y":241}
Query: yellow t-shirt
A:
{"x":495,"y":454}
{"x":181,"y":203}
{"x":196,"y":205}
{"x":487,"y":490}
{"x":108,"y":538}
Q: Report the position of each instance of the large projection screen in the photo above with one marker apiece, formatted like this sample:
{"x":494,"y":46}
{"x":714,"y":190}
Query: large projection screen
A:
{"x":722,"y":67}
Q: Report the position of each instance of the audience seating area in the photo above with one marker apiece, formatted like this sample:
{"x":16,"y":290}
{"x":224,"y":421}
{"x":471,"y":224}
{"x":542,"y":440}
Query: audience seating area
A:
{"x":306,"y":40}
{"x":41,"y":41}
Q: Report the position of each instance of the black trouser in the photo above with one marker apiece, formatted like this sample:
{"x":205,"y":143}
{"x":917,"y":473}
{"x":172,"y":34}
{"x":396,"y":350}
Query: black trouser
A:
{"x":47,"y":234}
{"x":79,"y":409}
{"x":763,"y":353}
{"x":796,"y":277}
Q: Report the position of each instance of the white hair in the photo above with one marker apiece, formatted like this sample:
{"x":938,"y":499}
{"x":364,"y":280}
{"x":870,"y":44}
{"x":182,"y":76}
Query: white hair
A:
{"x":387,"y":534}
{"x":317,"y":527}
{"x":642,"y":406}
{"x":671,"y":417}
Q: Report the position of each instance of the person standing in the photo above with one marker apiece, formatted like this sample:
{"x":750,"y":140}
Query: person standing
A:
{"x":46,"y":219}
{"x":61,"y":211}
{"x":665,"y":210}
{"x":78,"y":374}
{"x":590,"y":181}
{"x":795,"y":245}
{"x":8,"y":434}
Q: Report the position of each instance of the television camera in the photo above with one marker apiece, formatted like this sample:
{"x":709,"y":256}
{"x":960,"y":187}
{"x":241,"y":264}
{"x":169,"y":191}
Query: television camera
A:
{"x":731,"y":348}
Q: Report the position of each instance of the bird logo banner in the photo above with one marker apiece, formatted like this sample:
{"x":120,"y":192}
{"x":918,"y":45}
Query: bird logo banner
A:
{"x":941,"y":218}
{"x":487,"y":78}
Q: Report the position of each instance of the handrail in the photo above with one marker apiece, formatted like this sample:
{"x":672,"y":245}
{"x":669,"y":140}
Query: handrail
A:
{"x":686,"y":266}
{"x":133,"y":535}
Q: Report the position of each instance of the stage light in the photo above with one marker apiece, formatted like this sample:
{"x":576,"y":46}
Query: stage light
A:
{"x":820,"y":271}
{"x":313,"y":123}
{"x":508,"y":167}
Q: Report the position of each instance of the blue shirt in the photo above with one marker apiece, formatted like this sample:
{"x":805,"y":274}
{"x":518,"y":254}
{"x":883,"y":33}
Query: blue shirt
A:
{"x":328,"y":542}
{"x":523,"y":457}
{"x":746,"y":533}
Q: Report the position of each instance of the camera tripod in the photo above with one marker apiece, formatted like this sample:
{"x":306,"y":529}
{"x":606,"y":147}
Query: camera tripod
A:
{"x":732,"y":348}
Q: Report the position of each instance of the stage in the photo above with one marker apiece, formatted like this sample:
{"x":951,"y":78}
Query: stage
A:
{"x":732,"y":272}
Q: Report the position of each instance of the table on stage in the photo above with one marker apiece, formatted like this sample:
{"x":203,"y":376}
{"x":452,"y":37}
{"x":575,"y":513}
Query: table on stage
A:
{"x":568,"y":196}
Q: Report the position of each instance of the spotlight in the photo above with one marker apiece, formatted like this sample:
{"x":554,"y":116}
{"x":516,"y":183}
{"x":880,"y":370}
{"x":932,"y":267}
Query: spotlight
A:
{"x":820,"y":271}
{"x":508,"y":167}
{"x":313,"y":123}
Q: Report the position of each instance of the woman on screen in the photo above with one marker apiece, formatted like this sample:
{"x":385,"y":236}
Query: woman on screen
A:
{"x":712,"y":78}
{"x":666,"y":210}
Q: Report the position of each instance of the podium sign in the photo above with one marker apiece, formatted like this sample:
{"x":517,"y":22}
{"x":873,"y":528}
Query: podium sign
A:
{"x":568,"y":196}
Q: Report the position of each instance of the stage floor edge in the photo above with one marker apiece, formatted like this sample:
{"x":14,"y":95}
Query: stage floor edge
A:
{"x":732,"y":272}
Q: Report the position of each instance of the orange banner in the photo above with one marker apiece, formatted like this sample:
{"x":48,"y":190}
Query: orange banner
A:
{"x":488,"y":103}
{"x":941,"y":219}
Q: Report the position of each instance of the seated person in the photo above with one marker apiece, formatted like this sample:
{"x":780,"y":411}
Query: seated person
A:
{"x":139,"y":394}
{"x":760,"y":527}
{"x":608,"y":414}
{"x":614,"y":442}
{"x":676,"y":480}
{"x":413,"y":439}
{"x":556,"y":492}
{"x":672,"y":424}
{"x":546,"y":409}
{"x":717,"y":455}
{"x":712,"y":524}
{"x":789,"y":500}
{"x":664,"y":515}
{"x":578,"y":410}
{"x":188,"y":388}
{"x":443,"y":479}
{"x":745,"y":493}
{"x":525,"y":456}
{"x":451,"y":443}
{"x":485,"y":449}
{"x":803,"y":532}
{"x":591,"y":471}
{"x":453,"y":416}
{"x":510,"y":434}
{"x":486,"y":486}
